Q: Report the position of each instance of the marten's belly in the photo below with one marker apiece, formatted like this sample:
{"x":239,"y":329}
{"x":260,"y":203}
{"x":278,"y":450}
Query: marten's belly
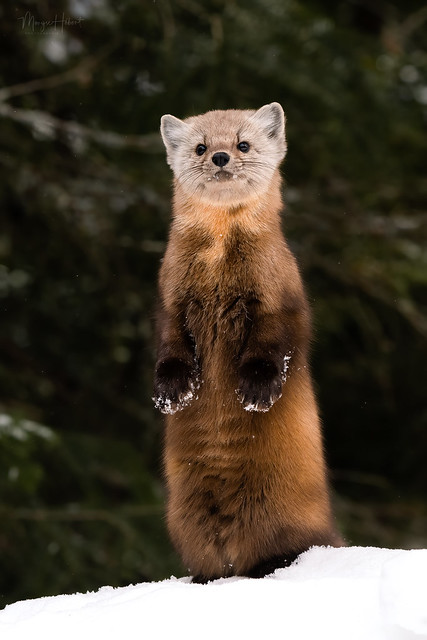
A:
{"x":221,"y":494}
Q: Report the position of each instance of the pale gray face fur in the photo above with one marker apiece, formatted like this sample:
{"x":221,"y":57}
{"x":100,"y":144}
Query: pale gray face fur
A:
{"x":246,"y":174}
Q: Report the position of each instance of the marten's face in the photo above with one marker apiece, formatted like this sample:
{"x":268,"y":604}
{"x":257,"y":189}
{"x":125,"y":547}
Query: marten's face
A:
{"x":226,"y":157}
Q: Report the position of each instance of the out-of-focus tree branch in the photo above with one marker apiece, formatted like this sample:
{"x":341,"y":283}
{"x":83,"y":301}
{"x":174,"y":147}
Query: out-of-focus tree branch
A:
{"x":48,"y":126}
{"x":79,"y":73}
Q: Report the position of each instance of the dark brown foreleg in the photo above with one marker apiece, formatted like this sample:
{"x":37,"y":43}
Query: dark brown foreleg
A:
{"x":176,"y":373}
{"x":275,"y":341}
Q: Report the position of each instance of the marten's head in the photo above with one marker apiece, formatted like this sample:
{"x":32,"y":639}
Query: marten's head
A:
{"x":226,"y":157}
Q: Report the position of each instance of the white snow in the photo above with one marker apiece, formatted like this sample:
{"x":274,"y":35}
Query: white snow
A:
{"x":259,"y":408}
{"x":166,"y":406}
{"x":286,"y":361}
{"x":352,"y":593}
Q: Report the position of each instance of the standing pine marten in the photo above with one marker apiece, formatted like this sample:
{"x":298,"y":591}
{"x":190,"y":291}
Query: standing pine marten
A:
{"x":246,"y":477}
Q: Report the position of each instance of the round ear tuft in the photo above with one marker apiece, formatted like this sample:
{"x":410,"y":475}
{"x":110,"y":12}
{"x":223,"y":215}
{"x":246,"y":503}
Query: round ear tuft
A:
{"x":172,"y":130}
{"x":272,"y":119}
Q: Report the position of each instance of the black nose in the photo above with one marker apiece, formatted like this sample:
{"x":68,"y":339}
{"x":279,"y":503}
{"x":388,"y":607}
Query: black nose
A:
{"x":220,"y":159}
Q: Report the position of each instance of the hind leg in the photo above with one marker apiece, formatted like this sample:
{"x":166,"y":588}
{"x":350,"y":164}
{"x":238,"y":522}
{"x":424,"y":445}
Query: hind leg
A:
{"x":200,"y":579}
{"x":265,"y":567}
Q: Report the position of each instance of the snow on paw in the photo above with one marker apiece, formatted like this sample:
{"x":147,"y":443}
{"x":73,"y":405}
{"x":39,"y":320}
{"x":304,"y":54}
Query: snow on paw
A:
{"x":260,"y":385}
{"x":286,"y":365}
{"x":167,"y":405}
{"x":175,"y":386}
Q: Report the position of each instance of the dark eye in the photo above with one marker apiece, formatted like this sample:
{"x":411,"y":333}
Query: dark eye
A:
{"x":243,"y":147}
{"x":200,"y":149}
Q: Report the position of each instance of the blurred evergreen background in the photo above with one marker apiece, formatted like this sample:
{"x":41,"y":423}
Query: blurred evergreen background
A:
{"x":85,"y":202}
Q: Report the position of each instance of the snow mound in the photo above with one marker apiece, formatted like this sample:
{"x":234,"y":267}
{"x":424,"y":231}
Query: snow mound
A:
{"x":403,"y":593}
{"x":352,"y":593}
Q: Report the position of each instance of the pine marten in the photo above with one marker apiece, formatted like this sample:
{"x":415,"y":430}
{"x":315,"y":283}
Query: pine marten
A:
{"x":246,"y":477}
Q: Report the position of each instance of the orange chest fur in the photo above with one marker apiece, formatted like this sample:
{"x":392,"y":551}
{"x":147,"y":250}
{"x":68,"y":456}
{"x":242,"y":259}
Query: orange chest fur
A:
{"x":214,"y":271}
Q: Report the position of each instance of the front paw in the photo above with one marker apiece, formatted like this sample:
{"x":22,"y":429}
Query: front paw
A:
{"x":260,"y":384}
{"x":175,"y":385}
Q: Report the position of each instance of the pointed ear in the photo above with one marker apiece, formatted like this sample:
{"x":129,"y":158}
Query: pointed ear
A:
{"x":173,"y":131}
{"x":272,"y":119}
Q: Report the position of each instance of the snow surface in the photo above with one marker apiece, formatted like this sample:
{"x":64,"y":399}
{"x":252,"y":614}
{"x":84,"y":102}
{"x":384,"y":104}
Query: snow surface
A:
{"x":352,"y":593}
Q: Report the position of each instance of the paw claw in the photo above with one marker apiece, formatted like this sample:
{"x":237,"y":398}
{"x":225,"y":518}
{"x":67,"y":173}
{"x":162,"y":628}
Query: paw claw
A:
{"x":260,"y":385}
{"x":175,"y":386}
{"x":168,"y":406}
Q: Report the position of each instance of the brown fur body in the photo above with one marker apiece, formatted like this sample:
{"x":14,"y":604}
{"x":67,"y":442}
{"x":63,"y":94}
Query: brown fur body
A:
{"x":247,"y":489}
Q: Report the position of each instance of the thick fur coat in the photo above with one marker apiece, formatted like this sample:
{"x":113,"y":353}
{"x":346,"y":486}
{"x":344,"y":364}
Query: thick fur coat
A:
{"x":246,"y":477}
